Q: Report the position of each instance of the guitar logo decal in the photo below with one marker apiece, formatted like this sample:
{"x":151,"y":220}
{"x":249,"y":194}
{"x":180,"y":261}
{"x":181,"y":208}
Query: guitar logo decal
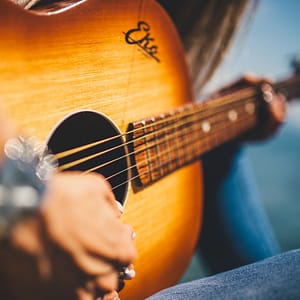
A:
{"x":141,"y":37}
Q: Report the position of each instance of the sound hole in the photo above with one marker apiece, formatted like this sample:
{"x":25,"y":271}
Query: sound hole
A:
{"x":109,"y":156}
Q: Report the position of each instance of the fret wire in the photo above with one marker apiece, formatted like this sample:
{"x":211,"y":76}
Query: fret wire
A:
{"x":166,"y":138}
{"x":147,"y":153}
{"x":193,"y":134}
{"x":156,"y":146}
{"x":150,"y":133}
{"x":182,"y":128}
{"x":178,"y":138}
{"x":169,"y":133}
{"x":164,"y":145}
{"x":173,"y":127}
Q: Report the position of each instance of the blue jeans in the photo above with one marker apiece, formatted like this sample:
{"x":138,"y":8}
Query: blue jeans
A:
{"x":236,"y":230}
{"x":275,"y":278}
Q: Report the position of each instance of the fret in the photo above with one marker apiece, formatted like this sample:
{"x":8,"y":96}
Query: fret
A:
{"x":198,"y":135}
{"x":167,"y":142}
{"x":205,"y":127}
{"x":163,"y":148}
{"x":154,"y":160}
{"x":216,"y":122}
{"x":190,"y":133}
{"x":156,"y":146}
{"x":179,"y":137}
{"x":172,"y":141}
{"x":183,"y":136}
{"x":231,"y":123}
{"x":140,"y":157}
{"x":195,"y":132}
{"x":148,"y":154}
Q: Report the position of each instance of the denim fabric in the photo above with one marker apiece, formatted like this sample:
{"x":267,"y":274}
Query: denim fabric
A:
{"x":236,"y":230}
{"x":276,"y":278}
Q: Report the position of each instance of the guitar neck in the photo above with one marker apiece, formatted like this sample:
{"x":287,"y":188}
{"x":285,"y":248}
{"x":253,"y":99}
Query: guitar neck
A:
{"x":289,"y":87}
{"x":161,"y":144}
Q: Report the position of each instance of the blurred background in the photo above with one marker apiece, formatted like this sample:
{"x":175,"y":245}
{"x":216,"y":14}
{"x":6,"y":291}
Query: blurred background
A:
{"x":266,"y":46}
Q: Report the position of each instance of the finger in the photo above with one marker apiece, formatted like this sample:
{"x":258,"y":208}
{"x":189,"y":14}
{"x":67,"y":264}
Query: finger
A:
{"x":127,"y":252}
{"x":277,"y":109}
{"x":83,"y":294}
{"x":131,"y":231}
{"x":117,"y":246}
{"x":92,"y":265}
{"x":107,"y":283}
{"x":106,"y":190}
{"x":110,"y":296}
{"x":84,"y":260}
{"x":120,"y":208}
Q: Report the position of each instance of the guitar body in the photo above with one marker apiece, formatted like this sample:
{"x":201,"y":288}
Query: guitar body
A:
{"x":86,"y":58}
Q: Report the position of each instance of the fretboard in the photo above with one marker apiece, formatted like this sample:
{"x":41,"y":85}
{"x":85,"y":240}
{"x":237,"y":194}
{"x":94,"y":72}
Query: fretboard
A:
{"x":164,"y":143}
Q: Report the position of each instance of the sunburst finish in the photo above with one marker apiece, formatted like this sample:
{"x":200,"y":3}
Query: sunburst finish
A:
{"x":55,"y":64}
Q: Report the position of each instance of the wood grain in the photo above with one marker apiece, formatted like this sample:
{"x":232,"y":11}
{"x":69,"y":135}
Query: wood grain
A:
{"x":53,"y":65}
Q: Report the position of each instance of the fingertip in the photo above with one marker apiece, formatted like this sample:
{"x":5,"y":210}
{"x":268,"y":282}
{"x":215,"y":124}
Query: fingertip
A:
{"x":120,"y":207}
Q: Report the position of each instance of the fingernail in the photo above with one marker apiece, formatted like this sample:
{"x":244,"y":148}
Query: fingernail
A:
{"x":120,"y":207}
{"x":133,"y":235}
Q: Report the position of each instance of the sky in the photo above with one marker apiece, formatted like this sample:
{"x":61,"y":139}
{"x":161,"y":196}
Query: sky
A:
{"x":266,"y":45}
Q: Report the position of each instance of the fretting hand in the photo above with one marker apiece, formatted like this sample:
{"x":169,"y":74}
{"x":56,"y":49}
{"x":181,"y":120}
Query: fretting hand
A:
{"x":275,"y":108}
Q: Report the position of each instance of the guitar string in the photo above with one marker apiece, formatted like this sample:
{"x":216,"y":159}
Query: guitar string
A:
{"x":149,"y":171}
{"x":188,"y":112}
{"x":167,"y":134}
{"x":153,"y":133}
{"x":280,"y":85}
{"x":182,"y":116}
{"x":162,"y":153}
{"x":169,"y":139}
{"x":154,"y":158}
{"x":182,"y":121}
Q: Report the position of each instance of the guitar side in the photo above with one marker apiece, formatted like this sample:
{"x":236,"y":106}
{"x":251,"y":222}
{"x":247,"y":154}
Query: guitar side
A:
{"x":80,"y":59}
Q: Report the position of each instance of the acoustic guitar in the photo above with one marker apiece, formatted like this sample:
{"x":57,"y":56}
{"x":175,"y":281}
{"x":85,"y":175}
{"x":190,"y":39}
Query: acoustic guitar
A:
{"x":105,"y":85}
